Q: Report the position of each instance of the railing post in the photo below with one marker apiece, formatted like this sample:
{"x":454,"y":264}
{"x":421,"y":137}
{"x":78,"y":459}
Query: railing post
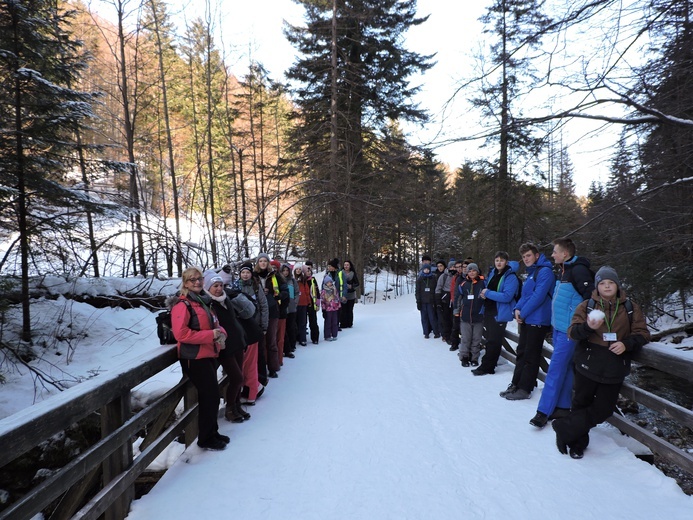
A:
{"x":114,"y":415}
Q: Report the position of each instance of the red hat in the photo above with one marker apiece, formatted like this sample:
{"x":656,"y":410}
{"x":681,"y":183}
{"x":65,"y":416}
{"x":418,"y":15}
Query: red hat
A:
{"x":276,"y":264}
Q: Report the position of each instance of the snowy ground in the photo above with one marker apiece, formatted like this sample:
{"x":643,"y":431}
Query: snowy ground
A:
{"x":383,"y":424}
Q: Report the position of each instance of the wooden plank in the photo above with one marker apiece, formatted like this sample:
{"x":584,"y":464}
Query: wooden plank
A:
{"x":673,"y":411}
{"x":22,"y":431}
{"x":113,"y":417}
{"x":656,"y":444}
{"x":169,"y":401}
{"x":664,"y":359}
{"x":43,"y":494}
{"x":75,"y":496}
{"x":98,"y":504}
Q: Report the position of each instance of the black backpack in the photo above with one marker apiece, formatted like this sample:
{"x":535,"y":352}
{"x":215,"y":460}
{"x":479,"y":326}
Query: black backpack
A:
{"x":163,"y":326}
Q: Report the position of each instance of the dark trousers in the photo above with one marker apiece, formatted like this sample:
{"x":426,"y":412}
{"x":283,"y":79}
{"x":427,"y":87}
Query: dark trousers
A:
{"x":455,"y":332}
{"x":290,"y":334}
{"x":528,"y":356}
{"x":346,"y":314}
{"x":203,"y":374}
{"x":271,"y":351}
{"x":445,"y":321}
{"x":313,"y":324}
{"x":232,"y":363}
{"x":262,"y":361}
{"x":331,"y":323}
{"x":429,"y":320}
{"x":593,"y":403}
{"x":493,"y":334}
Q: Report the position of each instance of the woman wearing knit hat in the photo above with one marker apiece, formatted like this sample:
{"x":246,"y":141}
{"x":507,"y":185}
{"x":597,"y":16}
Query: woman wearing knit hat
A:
{"x":329,"y":300}
{"x":200,"y":337}
{"x":255,"y":329}
{"x":230,"y":306}
{"x":308,"y":303}
{"x":275,"y":290}
{"x":607,"y":337}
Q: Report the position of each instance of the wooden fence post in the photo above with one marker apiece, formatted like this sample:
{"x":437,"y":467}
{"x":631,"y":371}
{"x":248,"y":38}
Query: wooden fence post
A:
{"x":114,"y":415}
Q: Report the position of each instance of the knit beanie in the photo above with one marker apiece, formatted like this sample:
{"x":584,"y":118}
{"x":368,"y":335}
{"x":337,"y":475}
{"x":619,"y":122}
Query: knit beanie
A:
{"x":275,"y":263}
{"x":327,"y":279}
{"x":334,"y":263}
{"x":451,"y":264}
{"x":263,"y":255}
{"x":607,"y":273}
{"x":246,"y":266}
{"x":305,"y":268}
{"x":473,"y":266}
{"x":441,"y":262}
{"x":211,"y":277}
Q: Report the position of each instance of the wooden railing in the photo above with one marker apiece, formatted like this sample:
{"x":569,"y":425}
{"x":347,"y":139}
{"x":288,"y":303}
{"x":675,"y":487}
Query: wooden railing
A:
{"x":111,"y":459}
{"x":657,"y":356}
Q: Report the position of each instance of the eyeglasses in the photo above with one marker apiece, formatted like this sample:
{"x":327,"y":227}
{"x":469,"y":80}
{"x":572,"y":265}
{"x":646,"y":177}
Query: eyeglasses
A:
{"x":195,"y":280}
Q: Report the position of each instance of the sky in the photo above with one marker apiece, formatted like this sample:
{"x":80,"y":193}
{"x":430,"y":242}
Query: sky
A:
{"x":381,"y":424}
{"x":452,"y":32}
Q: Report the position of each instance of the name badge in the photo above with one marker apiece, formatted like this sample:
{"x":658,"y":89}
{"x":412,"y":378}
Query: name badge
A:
{"x":609,"y":336}
{"x":427,"y":289}
{"x":470,"y":296}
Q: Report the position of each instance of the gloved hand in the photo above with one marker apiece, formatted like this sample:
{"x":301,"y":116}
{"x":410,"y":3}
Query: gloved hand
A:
{"x":418,"y":306}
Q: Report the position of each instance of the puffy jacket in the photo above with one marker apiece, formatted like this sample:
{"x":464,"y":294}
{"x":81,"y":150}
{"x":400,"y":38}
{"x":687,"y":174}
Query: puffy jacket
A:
{"x":195,"y":330}
{"x":329,"y":301}
{"x":352,"y":282}
{"x":505,"y":295}
{"x":469,"y":309}
{"x":293,"y":290}
{"x":276,"y":292}
{"x":251,"y":288}
{"x":443,"y":289}
{"x":339,"y":282}
{"x":535,"y":303}
{"x":229,"y":319}
{"x":575,"y":274}
{"x":425,"y":288}
{"x":592,"y":357}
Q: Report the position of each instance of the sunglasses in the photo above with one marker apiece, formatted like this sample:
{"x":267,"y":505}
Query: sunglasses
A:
{"x":195,"y":280}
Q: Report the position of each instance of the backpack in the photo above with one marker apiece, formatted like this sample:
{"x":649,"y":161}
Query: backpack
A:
{"x":163,"y":326}
{"x":591,"y":303}
{"x":518,"y":292}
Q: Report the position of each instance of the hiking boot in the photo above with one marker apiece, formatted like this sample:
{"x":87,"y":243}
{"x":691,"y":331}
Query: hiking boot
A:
{"x":511,"y":388}
{"x":480,"y":372}
{"x":290,"y":355}
{"x":260,"y":390}
{"x":223,"y":438}
{"x":576,"y":453}
{"x":233,"y":415}
{"x":302,"y":343}
{"x":517,"y":395}
{"x":213,"y":444}
{"x":465,"y":362}
{"x":436,"y":336}
{"x":273,"y":374}
{"x":427,"y":336}
{"x":474,"y":363}
{"x":539,"y":420}
{"x":560,"y":443}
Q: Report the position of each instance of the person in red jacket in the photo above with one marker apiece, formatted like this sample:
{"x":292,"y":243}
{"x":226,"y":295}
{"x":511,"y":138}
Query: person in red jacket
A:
{"x":200,"y":338}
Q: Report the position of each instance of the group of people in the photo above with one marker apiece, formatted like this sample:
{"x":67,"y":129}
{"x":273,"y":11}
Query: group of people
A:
{"x":595,"y":329}
{"x":248,"y":325}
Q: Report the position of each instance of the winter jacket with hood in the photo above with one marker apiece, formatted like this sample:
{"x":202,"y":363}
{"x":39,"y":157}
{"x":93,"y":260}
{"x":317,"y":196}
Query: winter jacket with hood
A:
{"x":293,"y":290}
{"x":443,"y":288}
{"x":276,"y":291}
{"x":194,"y":328}
{"x":535,"y":303}
{"x":229,"y":308}
{"x":593,"y":359}
{"x":253,"y":291}
{"x":575,"y":285}
{"x":426,"y":287}
{"x":469,"y":309}
{"x":504,"y":295}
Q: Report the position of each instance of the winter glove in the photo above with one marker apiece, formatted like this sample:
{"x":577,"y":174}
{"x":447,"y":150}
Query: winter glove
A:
{"x":418,"y":306}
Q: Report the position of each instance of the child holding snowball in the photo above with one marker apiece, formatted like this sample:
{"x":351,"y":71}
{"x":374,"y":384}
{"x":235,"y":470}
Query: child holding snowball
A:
{"x":607,"y":338}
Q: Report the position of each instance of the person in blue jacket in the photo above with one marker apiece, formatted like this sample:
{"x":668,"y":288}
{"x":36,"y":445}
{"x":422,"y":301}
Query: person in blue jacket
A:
{"x":533,"y":315}
{"x":499,"y":301}
{"x":575,"y":285}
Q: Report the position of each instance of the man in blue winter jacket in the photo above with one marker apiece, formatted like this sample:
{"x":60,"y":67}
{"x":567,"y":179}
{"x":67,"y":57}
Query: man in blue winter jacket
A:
{"x":575,"y":285}
{"x":533,"y":315}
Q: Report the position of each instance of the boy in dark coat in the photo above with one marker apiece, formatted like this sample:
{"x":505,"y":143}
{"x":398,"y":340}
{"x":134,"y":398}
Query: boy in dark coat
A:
{"x":425,"y":301}
{"x":607,"y":337}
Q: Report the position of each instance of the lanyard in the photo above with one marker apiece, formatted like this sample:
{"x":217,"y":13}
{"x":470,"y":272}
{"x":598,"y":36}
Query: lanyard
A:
{"x":613,"y":316}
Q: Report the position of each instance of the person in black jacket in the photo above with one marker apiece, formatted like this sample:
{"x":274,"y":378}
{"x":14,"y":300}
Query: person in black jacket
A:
{"x":346,"y":313}
{"x":229,"y":305}
{"x":425,"y":301}
{"x":607,"y":336}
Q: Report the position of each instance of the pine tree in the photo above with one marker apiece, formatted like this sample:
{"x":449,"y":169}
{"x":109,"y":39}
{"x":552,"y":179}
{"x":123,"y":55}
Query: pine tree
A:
{"x":40,"y":63}
{"x":353,"y":78}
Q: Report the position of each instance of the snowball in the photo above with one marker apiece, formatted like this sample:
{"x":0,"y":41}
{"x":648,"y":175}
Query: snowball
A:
{"x":596,"y":315}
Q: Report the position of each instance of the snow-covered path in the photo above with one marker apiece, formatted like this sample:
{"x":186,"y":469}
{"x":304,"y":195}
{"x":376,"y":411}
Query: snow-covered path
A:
{"x":383,"y":424}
